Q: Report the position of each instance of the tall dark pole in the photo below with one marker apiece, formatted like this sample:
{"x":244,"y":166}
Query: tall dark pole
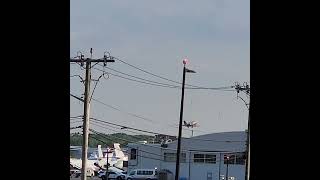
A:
{"x":219,"y":168}
{"x":107,"y":173}
{"x":180,"y":126}
{"x":248,"y":151}
{"x":227,"y":173}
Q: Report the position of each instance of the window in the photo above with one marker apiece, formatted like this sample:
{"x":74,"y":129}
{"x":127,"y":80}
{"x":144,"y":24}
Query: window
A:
{"x":204,"y":158}
{"x":171,"y":157}
{"x":198,"y":158}
{"x":183,"y":157}
{"x":132,"y":173}
{"x":240,"y":158}
{"x":210,"y":158}
{"x":125,"y":163}
{"x":133,"y":154}
{"x":231,"y":159}
{"x":139,"y":172}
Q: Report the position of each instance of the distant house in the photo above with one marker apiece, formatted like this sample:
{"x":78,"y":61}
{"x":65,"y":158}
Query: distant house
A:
{"x":202,"y":157}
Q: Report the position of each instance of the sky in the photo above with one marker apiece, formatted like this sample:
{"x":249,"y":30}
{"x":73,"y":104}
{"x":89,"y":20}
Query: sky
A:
{"x":214,"y":35}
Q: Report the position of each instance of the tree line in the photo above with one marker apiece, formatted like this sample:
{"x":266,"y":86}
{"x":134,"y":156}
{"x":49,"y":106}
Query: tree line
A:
{"x":108,"y":139}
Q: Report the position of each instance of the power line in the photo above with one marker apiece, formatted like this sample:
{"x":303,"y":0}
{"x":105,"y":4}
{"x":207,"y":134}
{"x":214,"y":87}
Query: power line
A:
{"x":154,"y":83}
{"x":156,"y":133}
{"x":152,"y":73}
{"x":138,"y":81}
{"x":98,"y":122}
{"x":125,"y":127}
{"x":95,"y":87}
{"x":136,"y":133}
{"x":103,"y":136}
{"x":140,"y":78}
{"x":131,"y":114}
{"x":128,"y":146}
{"x":194,"y":87}
{"x":212,"y":151}
{"x":118,"y":137}
{"x":77,"y":127}
{"x":135,"y":115}
{"x":80,"y":116}
{"x":75,"y":122}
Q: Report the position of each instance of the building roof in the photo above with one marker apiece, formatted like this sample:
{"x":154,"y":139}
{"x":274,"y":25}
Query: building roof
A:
{"x":216,"y":142}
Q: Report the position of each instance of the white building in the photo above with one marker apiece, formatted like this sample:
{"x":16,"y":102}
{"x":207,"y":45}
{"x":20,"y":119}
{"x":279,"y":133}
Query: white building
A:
{"x":202,"y":157}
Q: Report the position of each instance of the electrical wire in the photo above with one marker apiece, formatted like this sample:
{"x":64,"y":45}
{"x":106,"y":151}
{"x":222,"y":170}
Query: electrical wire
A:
{"x":152,"y":73}
{"x":123,"y":127}
{"x":80,"y":116}
{"x":143,"y":82}
{"x":158,"y":83}
{"x":137,"y":116}
{"x":77,"y":127}
{"x":75,"y":122}
{"x":115,"y":108}
{"x":132,"y":114}
{"x":137,"y":154}
{"x":135,"y":133}
{"x":97,"y":124}
{"x":101,"y":135}
{"x":139,"y":77}
{"x":194,"y":87}
{"x":156,"y":133}
{"x":154,"y":83}
{"x":95,"y":87}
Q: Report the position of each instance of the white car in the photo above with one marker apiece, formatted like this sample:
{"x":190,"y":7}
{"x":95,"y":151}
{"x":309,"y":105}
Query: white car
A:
{"x":112,"y":175}
{"x":145,"y":174}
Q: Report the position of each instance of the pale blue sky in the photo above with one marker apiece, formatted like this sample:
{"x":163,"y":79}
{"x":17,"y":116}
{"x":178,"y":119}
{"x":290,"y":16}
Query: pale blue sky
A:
{"x":156,"y":35}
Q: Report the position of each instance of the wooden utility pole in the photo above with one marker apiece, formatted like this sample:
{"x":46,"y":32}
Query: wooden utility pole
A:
{"x":86,"y":106}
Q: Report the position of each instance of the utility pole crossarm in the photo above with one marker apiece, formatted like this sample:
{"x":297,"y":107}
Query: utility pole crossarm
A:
{"x":91,"y":60}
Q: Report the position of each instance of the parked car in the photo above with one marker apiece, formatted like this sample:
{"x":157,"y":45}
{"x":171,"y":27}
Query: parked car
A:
{"x":112,"y":175}
{"x":147,"y":174}
{"x":77,"y":173}
{"x":101,"y":173}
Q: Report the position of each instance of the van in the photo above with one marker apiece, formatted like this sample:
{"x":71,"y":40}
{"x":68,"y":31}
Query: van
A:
{"x":145,"y":174}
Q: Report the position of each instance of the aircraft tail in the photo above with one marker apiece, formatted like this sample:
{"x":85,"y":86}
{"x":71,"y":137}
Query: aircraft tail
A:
{"x":118,"y":151}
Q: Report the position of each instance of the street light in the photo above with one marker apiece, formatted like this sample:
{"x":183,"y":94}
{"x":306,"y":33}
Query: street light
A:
{"x":227,"y":173}
{"x":185,"y":70}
